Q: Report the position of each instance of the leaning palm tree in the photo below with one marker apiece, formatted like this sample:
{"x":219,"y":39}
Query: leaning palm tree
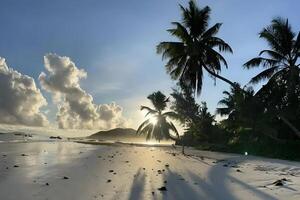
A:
{"x":280,"y":62}
{"x":157,"y":126}
{"x":195,"y":48}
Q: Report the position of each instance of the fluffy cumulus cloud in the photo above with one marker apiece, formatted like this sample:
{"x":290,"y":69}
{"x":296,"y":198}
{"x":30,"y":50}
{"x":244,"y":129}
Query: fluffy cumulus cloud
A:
{"x":76,"y":108}
{"x":20,"y":99}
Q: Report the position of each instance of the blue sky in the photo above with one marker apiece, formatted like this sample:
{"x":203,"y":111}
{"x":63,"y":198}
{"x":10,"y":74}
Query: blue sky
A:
{"x":114,"y":42}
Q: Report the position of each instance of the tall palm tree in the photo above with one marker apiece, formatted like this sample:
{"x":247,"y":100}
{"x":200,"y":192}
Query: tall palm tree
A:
{"x":281,"y":64}
{"x":158,"y":126}
{"x":195,"y":49}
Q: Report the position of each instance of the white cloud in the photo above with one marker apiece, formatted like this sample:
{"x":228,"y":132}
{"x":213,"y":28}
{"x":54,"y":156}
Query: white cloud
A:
{"x":75,"y":106}
{"x":20,"y":99}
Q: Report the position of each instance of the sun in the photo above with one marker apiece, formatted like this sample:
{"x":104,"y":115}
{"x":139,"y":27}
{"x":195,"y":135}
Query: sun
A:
{"x":153,"y":120}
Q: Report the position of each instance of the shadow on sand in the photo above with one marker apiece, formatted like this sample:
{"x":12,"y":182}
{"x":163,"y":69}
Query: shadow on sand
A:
{"x":194,"y":187}
{"x":138,"y":185}
{"x":216,"y":186}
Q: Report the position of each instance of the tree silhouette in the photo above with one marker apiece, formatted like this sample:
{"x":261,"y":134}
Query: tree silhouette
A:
{"x":281,"y":69}
{"x":195,"y":49}
{"x":158,"y":126}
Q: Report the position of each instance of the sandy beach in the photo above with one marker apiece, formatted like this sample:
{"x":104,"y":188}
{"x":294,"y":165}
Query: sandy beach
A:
{"x":69,"y":170}
{"x":97,"y":97}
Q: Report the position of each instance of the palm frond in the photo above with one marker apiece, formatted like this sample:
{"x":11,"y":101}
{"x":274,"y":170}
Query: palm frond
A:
{"x":219,"y":43}
{"x":177,"y":72}
{"x":175,"y":66}
{"x":266,"y":74}
{"x":171,"y":114}
{"x":215,"y":57}
{"x":146,"y":122}
{"x":265,"y":62}
{"x":297,"y":46}
{"x":148,"y":131}
{"x":224,"y":101}
{"x":275,"y":55}
{"x":149,"y":110}
{"x":170,"y":49}
{"x":180,"y":32}
{"x":159,"y":100}
{"x":269,"y":35}
{"x":212,"y":31}
{"x":173,"y":128}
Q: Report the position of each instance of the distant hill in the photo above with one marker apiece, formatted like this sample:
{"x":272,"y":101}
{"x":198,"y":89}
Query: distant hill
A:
{"x":117,"y":134}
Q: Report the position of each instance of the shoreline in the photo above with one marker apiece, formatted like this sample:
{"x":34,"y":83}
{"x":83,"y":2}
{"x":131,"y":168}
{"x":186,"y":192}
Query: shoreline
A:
{"x":118,"y":143}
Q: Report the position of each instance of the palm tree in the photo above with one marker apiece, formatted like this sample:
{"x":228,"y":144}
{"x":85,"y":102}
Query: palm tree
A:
{"x":245,"y":111}
{"x":281,"y":63}
{"x":158,"y":126}
{"x":184,"y":105}
{"x":195,"y":49}
{"x":283,"y":54}
{"x":236,"y":105}
{"x":228,"y":104}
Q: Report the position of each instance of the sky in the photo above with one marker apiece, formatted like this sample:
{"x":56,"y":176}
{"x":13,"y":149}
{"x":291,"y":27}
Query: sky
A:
{"x":90,"y":64}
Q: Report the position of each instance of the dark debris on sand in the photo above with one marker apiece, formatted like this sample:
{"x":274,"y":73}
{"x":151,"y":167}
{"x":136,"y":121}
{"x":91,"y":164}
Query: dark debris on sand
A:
{"x":280,"y":182}
{"x":55,"y":137}
{"x":163,"y":188}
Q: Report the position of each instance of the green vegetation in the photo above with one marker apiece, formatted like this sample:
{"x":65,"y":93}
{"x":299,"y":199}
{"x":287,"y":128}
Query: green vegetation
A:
{"x":263,"y":122}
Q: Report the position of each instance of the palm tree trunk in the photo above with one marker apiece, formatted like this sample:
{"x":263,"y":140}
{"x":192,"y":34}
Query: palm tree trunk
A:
{"x":233,"y":84}
{"x":182,"y":143}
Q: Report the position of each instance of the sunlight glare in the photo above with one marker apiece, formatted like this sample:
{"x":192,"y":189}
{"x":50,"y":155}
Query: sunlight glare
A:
{"x":153,"y":120}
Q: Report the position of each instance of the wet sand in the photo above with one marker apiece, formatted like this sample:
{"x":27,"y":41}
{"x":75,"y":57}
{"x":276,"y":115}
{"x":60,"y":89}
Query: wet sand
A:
{"x":69,"y":170}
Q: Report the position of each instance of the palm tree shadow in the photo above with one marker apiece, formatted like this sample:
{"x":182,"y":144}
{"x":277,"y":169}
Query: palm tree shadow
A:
{"x":216,"y":186}
{"x":178,"y":188}
{"x":211,"y":191}
{"x":138,"y":185}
